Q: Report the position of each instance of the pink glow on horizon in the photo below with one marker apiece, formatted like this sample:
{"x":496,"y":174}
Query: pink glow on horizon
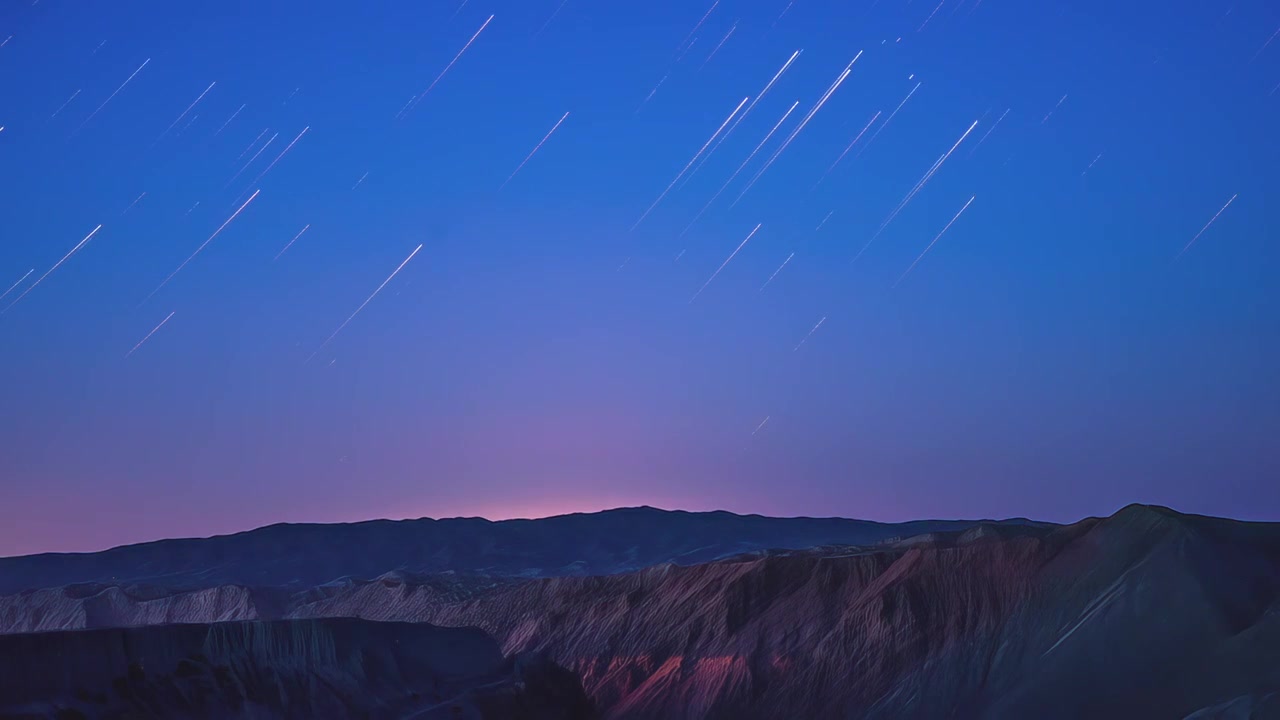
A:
{"x":534,"y":508}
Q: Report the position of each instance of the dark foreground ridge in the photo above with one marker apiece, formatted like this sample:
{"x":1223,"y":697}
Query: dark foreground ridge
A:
{"x":302,"y":556}
{"x":331,"y":668}
{"x":1146,"y":614}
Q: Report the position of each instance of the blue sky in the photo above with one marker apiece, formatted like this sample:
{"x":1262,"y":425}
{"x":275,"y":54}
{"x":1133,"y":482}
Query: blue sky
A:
{"x":1051,"y":355}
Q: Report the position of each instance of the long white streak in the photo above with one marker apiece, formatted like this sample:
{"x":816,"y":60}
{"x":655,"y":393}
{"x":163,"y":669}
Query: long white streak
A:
{"x":937,"y":165}
{"x":768,"y":135}
{"x":255,"y":157}
{"x":64,"y":105}
{"x":1265,"y":44}
{"x":362,"y":177}
{"x":1055,"y":108}
{"x":418,"y":99}
{"x":535,"y":149}
{"x":695,"y":27}
{"x":282,"y":154}
{"x":847,"y":149}
{"x":888,"y":120}
{"x":184,"y":112}
{"x":775,"y":272}
{"x":726,"y":262}
{"x":718,"y":46}
{"x":690,"y":163}
{"x":11,"y":287}
{"x":935,"y":12}
{"x":291,"y":242}
{"x":203,"y":244}
{"x":228,"y":122}
{"x":824,"y":221}
{"x":50,"y":270}
{"x":1206,"y":226}
{"x":743,"y":116}
{"x":766,"y":417}
{"x":769,"y":85}
{"x":740,"y":167}
{"x":112,"y":95}
{"x":366,"y":302}
{"x":135,"y":202}
{"x":251,"y":144}
{"x":148,"y":337}
{"x":759,"y":97}
{"x":811,"y":332}
{"x":812,"y":111}
{"x":935,"y":239}
{"x":988,"y":132}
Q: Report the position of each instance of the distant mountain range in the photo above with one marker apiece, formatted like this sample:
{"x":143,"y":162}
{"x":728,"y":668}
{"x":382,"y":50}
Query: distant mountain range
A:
{"x":301,"y":556}
{"x":1146,"y":614}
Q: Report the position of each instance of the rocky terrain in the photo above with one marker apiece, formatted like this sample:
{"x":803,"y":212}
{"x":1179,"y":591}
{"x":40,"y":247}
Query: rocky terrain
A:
{"x":331,"y":668}
{"x":1146,"y":614}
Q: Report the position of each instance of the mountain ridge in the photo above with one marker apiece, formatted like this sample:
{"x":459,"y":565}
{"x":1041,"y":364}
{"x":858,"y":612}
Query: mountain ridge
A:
{"x":482,"y":519}
{"x":309,"y":554}
{"x":1144,"y":613}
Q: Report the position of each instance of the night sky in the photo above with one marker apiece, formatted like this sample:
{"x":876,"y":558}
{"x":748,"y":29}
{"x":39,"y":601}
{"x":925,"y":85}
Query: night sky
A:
{"x":1071,"y":343}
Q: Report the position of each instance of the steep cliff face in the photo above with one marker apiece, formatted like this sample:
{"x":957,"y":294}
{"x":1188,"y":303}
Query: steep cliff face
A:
{"x":1145,"y":614}
{"x":328,"y":668}
{"x":94,"y":605}
{"x":394,"y":596}
{"x":814,"y":634}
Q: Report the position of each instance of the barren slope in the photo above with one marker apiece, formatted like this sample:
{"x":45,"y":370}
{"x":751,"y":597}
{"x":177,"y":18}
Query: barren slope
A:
{"x":1146,"y":614}
{"x":332,"y":668}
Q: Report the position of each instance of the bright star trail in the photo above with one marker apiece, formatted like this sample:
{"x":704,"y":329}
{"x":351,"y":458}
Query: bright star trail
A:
{"x":692,"y":160}
{"x":184,"y":112}
{"x":726,"y":262}
{"x":56,"y":265}
{"x":366,"y":302}
{"x":112,"y":95}
{"x":148,"y":335}
{"x":1212,"y":220}
{"x":203,"y":245}
{"x":417,"y":99}
{"x":535,"y":149}
{"x":292,"y":241}
{"x":932,"y":243}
